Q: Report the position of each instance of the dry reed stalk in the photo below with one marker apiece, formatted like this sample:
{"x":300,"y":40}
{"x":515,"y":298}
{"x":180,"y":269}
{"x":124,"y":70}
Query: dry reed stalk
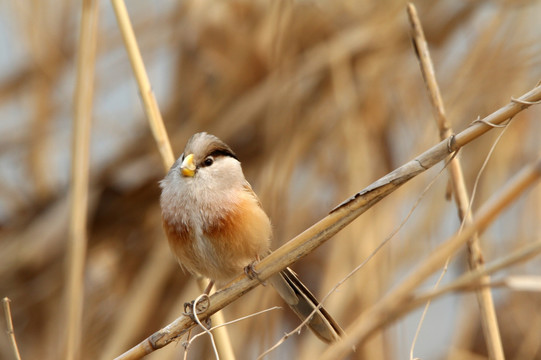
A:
{"x":149,"y":101}
{"x":341,"y":216}
{"x":389,"y":306}
{"x":475,"y":256}
{"x":9,"y":328}
{"x":164,"y":146}
{"x":83,"y":101}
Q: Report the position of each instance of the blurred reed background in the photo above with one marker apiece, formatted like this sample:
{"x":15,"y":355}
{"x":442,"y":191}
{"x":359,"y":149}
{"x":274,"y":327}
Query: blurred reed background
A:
{"x":318,"y":99}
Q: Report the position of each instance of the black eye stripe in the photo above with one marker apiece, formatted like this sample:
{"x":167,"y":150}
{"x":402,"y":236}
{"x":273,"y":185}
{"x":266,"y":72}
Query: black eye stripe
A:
{"x":222,"y":152}
{"x":214,"y":155}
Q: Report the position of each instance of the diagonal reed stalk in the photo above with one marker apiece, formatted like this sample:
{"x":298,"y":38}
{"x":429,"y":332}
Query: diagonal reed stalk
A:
{"x":475,"y":257}
{"x":340,"y":217}
{"x":79,"y":180}
{"x":147,"y":95}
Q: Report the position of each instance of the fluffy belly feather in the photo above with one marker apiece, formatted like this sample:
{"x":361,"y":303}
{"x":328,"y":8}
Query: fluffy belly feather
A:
{"x":226,"y":245}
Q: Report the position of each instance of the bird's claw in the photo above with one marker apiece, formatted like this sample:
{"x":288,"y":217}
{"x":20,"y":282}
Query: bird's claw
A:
{"x":252,"y":273}
{"x":188,"y":309}
{"x":200,"y":308}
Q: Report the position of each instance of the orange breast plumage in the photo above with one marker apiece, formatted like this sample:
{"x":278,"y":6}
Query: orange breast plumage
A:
{"x":228,"y":241}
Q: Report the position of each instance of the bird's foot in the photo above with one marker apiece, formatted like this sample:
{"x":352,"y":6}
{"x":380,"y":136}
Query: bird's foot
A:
{"x":252,"y":273}
{"x":198,"y":307}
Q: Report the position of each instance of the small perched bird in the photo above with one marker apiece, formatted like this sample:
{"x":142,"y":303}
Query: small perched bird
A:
{"x":216,"y":226}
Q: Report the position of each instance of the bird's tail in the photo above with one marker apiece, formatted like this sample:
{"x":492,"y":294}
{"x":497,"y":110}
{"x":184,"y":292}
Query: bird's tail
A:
{"x":303,"y":303}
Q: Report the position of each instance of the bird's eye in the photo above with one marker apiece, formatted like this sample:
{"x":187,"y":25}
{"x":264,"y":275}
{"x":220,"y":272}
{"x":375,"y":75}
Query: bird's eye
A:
{"x":209,"y":160}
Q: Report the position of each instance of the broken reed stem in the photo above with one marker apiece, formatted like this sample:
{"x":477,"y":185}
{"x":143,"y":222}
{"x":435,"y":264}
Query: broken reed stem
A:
{"x":159,"y":132}
{"x":491,"y":330}
{"x":340,"y":217}
{"x":76,"y":251}
{"x":389,"y":307}
{"x":9,"y":328}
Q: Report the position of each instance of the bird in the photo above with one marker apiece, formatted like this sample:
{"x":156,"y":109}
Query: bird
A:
{"x":216,"y":226}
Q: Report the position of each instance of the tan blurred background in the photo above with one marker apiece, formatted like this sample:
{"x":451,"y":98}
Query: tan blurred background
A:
{"x":318,"y":99}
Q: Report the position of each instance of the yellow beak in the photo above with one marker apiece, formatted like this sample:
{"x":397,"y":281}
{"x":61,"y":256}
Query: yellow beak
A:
{"x":187,"y":168}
